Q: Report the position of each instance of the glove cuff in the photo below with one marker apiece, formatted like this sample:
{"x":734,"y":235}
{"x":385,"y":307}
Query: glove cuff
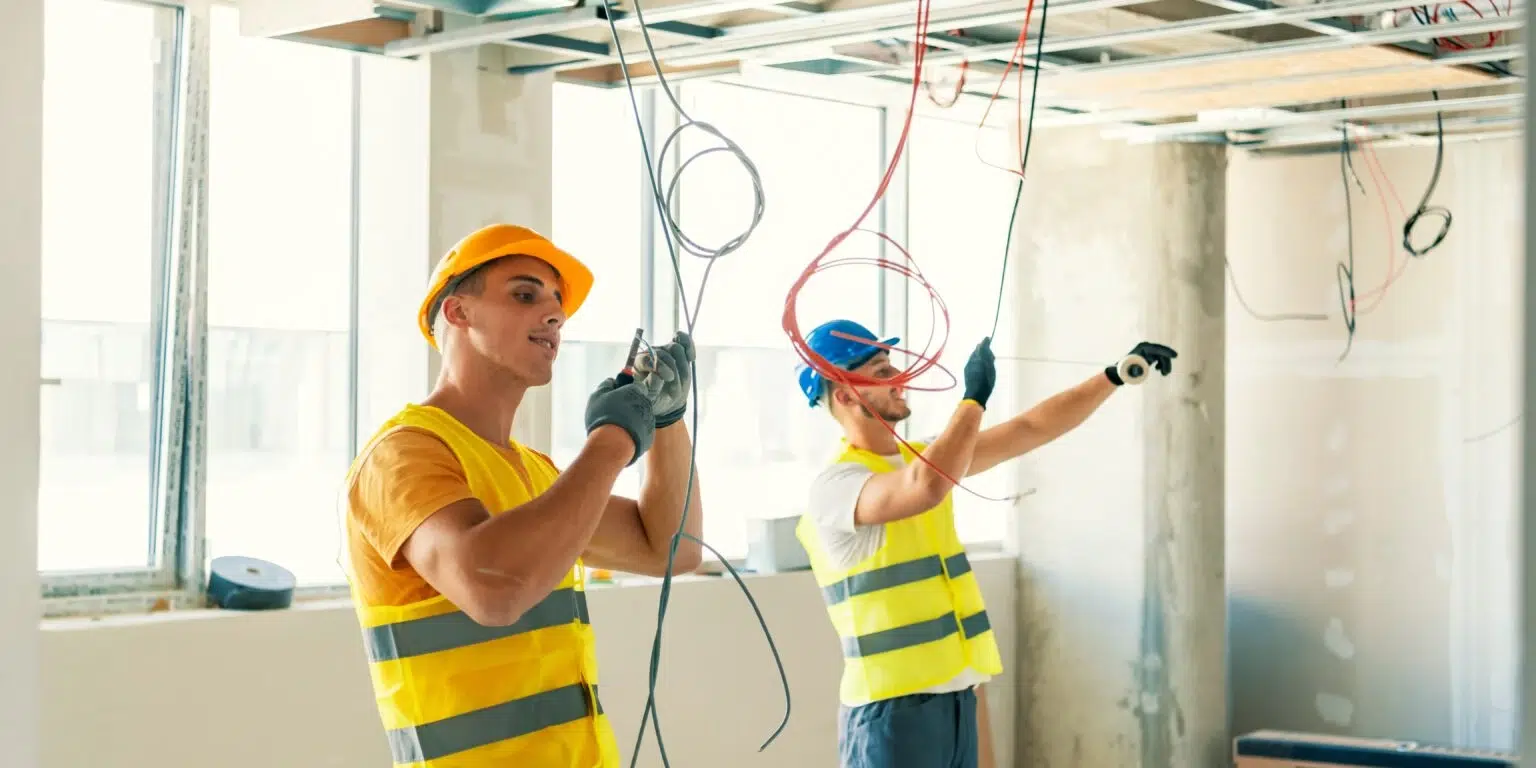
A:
{"x":642,"y":442}
{"x":1112,"y":373}
{"x":980,"y":400}
{"x":671,"y":417}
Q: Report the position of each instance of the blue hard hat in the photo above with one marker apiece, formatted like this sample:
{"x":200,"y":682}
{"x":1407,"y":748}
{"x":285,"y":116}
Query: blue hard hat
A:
{"x":842,"y":352}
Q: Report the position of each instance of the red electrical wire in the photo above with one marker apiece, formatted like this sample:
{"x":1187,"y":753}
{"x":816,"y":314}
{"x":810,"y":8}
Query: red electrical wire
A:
{"x":1384,"y":187}
{"x":1014,"y":57}
{"x":907,"y":267}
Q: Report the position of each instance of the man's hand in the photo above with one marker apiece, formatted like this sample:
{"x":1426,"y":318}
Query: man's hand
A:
{"x":980,"y":373}
{"x":629,"y":406}
{"x":1157,"y":355}
{"x":673,"y":364}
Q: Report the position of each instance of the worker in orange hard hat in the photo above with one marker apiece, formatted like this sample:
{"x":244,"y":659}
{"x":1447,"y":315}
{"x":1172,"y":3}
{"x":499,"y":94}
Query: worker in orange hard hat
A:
{"x":466,"y":549}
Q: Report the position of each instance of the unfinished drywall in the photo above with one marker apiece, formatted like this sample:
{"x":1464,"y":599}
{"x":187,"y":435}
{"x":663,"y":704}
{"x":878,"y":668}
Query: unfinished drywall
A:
{"x":21,"y":215}
{"x":290,"y":688}
{"x":1121,"y":656}
{"x":1371,"y":501}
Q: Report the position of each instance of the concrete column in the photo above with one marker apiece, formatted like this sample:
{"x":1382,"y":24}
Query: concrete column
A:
{"x":21,"y":215}
{"x":1122,"y":604}
{"x":491,"y":138}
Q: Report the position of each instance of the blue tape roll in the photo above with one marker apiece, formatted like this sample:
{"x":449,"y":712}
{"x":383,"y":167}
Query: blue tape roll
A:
{"x":247,"y":584}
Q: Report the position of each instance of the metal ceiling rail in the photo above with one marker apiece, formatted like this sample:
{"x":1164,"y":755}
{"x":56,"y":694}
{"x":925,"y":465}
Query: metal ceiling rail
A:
{"x":1429,"y":126}
{"x":554,"y":22}
{"x":1413,"y":140}
{"x":1245,"y":19}
{"x":1499,"y":53}
{"x":1305,"y":45}
{"x":1277,"y":118}
{"x":1310,"y":24}
{"x":1310,"y":44}
{"x":1142,"y":114}
{"x":856,"y":25}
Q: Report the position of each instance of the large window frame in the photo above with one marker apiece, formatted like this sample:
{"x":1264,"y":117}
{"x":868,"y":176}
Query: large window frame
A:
{"x":175,"y":266}
{"x":661,"y":314}
{"x":180,"y":314}
{"x":179,"y":440}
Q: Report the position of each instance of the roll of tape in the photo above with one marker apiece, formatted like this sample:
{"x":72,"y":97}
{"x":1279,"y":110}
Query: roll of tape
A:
{"x":1133,"y":369}
{"x":247,"y":584}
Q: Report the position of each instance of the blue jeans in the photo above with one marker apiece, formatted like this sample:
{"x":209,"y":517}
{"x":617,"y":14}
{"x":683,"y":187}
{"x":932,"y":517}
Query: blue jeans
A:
{"x":923,"y":730}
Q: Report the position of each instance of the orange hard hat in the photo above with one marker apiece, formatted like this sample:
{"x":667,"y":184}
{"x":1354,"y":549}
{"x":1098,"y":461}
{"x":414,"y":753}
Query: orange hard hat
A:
{"x":489,"y":243}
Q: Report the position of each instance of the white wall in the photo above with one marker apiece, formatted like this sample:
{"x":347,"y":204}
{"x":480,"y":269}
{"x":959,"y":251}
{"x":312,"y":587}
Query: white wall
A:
{"x":21,"y":214}
{"x":1371,"y":547}
{"x":291,"y":688}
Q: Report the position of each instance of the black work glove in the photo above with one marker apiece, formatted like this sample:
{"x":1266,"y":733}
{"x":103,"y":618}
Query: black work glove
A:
{"x":629,"y":406}
{"x":1156,"y":355}
{"x":980,"y":373}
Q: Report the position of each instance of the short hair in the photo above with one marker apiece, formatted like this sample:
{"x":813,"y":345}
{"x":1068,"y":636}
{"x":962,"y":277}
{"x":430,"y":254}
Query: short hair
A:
{"x":471,"y":283}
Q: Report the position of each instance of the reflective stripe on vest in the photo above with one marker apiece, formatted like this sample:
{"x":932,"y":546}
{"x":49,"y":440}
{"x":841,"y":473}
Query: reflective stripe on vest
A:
{"x":507,"y":720}
{"x":909,"y":635}
{"x":895,"y":576}
{"x":445,"y":632}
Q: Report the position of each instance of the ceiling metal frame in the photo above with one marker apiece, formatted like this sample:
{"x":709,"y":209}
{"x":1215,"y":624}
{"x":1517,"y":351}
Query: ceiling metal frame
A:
{"x":1278,"y":118}
{"x":743,"y":38}
{"x":1456,"y":129}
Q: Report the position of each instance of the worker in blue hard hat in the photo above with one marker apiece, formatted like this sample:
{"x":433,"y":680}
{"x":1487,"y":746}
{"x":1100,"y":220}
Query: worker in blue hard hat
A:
{"x":880,"y":532}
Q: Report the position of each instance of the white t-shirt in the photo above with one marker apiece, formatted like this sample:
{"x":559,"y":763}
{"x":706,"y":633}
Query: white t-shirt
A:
{"x":833,"y":496}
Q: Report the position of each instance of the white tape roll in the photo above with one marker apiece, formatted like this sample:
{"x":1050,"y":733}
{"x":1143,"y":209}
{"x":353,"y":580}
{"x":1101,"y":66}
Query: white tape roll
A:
{"x":1133,"y":369}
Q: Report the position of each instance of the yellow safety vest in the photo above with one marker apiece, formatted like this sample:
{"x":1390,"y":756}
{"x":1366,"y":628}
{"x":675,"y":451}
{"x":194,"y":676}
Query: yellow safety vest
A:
{"x":455,"y":694}
{"x":910,"y":616}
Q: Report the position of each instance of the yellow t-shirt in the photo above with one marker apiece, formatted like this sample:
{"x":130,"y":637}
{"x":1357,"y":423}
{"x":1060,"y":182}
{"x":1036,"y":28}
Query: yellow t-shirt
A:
{"x":408,"y":476}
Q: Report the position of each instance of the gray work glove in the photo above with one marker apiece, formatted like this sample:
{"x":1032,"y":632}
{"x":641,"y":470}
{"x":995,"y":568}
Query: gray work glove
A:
{"x":630,"y":406}
{"x":673,"y":364}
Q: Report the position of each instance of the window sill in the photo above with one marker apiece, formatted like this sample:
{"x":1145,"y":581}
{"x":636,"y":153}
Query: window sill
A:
{"x":67,"y":614}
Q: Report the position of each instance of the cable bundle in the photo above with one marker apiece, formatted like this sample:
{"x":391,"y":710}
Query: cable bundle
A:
{"x":907,"y":266}
{"x":678,"y":241}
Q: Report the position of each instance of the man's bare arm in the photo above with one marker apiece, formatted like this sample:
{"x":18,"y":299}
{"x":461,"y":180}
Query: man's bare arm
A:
{"x":635,"y":536}
{"x":496,"y":567}
{"x":918,"y":487}
{"x":1051,"y":418}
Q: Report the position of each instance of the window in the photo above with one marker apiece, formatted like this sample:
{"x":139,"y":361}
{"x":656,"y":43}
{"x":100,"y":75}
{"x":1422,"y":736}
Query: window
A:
{"x":599,"y":202}
{"x":290,"y":344}
{"x":819,"y":162}
{"x":755,"y":430}
{"x":957,"y":232}
{"x":109,"y":79}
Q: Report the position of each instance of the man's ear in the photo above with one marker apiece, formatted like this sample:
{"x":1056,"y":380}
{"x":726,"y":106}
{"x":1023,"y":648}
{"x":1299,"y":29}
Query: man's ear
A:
{"x":842,"y":396}
{"x":453,"y":311}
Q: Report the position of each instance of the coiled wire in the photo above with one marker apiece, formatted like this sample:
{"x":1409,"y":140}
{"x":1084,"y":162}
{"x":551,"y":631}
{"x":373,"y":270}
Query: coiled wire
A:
{"x":679,"y":242}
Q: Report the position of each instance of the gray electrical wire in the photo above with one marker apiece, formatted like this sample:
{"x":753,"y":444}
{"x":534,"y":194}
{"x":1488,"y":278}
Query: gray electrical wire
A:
{"x":677,"y":242}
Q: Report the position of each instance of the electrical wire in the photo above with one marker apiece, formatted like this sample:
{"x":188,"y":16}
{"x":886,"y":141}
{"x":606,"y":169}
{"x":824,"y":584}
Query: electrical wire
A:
{"x":1425,"y":209}
{"x":677,"y":241}
{"x":1495,"y":431}
{"x":1344,"y":273}
{"x":1266,"y":317}
{"x":1029,"y":139}
{"x":1384,"y":187}
{"x":907,"y":267}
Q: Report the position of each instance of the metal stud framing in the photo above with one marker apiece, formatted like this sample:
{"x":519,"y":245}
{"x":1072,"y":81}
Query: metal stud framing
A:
{"x":810,"y":39}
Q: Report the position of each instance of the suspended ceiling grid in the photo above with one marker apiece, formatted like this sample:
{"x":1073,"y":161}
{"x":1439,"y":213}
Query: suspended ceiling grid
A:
{"x":1255,"y":73}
